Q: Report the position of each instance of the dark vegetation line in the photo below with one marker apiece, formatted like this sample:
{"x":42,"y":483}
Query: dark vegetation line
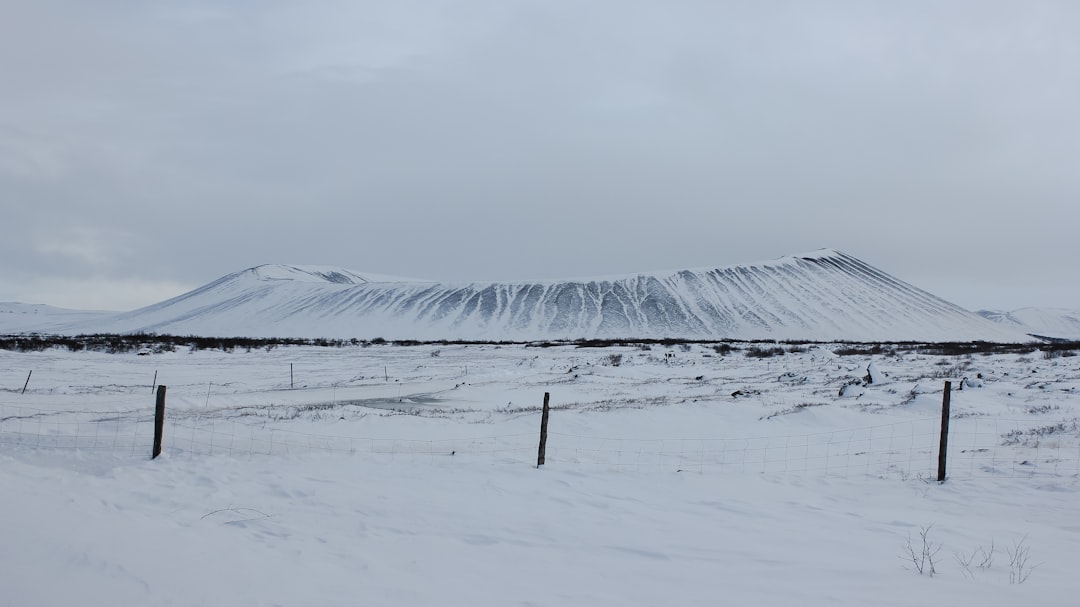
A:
{"x":153,"y":343}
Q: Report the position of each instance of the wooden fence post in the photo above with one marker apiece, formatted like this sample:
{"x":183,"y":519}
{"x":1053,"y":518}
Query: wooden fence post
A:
{"x":159,"y":420}
{"x":153,"y":386}
{"x":27,"y":381}
{"x":943,"y":447}
{"x":292,"y":384}
{"x":543,"y":432}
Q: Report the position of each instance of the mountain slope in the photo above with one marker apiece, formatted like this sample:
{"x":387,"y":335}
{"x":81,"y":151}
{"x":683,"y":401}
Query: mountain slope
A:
{"x":1047,"y":322}
{"x":21,"y":317}
{"x":825,"y":295}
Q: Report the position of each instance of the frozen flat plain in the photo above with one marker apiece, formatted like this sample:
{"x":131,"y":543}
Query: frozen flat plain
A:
{"x":406,"y":475}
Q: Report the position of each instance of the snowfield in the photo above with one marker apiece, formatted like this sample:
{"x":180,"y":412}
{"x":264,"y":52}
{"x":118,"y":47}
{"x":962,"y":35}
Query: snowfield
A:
{"x":675,"y":475}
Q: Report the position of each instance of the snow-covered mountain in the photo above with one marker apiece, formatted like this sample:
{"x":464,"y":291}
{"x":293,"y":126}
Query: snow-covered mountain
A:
{"x":825,"y":295}
{"x":1047,"y":322}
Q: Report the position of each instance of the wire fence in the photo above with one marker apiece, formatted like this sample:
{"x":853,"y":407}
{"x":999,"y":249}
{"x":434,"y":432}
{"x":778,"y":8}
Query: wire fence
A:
{"x":981,"y":446}
{"x":978,"y":446}
{"x":909,"y":449}
{"x":125,"y":432}
{"x":211,"y":436}
{"x":901,"y":449}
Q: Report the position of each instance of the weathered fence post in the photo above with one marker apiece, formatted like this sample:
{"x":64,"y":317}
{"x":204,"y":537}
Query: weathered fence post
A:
{"x":543,"y":432}
{"x":153,"y":386}
{"x":159,"y":420}
{"x":27,"y":381}
{"x":292,"y":384}
{"x":943,"y":448}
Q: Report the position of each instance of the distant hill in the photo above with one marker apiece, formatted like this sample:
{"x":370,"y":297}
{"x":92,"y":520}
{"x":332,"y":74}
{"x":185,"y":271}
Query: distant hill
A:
{"x":21,"y":317}
{"x":825,"y":295}
{"x":1058,"y":323}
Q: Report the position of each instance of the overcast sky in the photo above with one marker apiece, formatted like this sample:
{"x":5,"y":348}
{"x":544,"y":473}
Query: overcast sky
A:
{"x":148,"y":147}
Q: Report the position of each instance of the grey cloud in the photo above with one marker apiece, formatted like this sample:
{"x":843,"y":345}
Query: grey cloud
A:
{"x":520,"y":139}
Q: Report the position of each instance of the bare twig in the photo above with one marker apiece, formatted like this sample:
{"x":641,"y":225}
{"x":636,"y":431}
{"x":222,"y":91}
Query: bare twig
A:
{"x":261,"y":514}
{"x":988,"y":557}
{"x":1020,"y":567}
{"x":922,"y":558}
{"x":981,"y":558}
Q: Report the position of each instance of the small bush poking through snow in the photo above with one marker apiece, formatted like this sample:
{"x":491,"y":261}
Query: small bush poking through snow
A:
{"x":922,"y":556}
{"x":758,"y":352}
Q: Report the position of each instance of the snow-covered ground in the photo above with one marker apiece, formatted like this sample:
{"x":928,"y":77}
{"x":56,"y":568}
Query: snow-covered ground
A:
{"x":406,"y":475}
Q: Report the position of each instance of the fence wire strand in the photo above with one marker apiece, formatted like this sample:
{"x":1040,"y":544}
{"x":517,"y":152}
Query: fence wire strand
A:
{"x":978,"y":446}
